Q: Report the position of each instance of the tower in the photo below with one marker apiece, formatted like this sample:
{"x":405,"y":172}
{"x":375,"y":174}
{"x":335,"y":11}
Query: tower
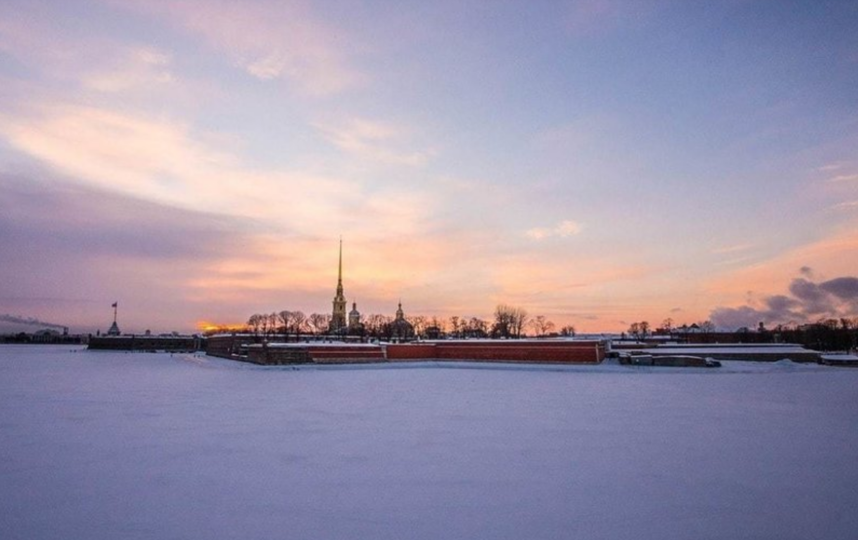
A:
{"x":400,"y":328}
{"x":114,"y":329}
{"x":354,"y":318}
{"x":338,"y":317}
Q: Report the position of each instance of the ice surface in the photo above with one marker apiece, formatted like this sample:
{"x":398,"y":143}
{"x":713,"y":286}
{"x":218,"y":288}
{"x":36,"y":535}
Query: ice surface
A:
{"x":111,"y":445}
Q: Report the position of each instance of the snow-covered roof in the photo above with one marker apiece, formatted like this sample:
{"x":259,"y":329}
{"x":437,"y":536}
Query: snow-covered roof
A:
{"x":735,"y":345}
{"x":840,"y":357}
{"x":523,"y":340}
{"x":728,"y":349}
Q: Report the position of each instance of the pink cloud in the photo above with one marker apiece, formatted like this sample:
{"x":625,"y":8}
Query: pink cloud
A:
{"x":267,"y":39}
{"x":562,"y":229}
{"x":372,"y":140}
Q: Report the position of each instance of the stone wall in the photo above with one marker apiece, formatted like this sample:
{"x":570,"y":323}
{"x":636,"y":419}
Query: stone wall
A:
{"x":410,"y":351}
{"x":232,"y":346}
{"x":280,"y":354}
{"x":524,"y":351}
{"x":243,"y":348}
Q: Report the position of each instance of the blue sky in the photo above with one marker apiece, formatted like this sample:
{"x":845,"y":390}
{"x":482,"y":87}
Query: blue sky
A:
{"x":598,"y":162}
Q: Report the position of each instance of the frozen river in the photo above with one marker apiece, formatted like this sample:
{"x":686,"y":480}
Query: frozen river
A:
{"x":104,"y":445}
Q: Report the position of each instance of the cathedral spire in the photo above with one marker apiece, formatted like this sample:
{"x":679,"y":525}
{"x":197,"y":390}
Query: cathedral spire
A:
{"x":340,"y":272}
{"x":338,"y":315}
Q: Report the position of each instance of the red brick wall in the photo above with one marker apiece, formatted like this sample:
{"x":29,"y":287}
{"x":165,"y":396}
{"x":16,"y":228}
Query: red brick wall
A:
{"x":418,"y":351}
{"x":548,"y":351}
{"x":537,"y":352}
{"x":346,"y":353}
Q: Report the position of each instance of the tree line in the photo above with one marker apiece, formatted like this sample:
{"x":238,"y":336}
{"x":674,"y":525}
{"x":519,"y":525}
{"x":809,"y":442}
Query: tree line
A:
{"x":823,"y":335}
{"x":826,"y":334}
{"x":642,"y":330}
{"x":509,"y":322}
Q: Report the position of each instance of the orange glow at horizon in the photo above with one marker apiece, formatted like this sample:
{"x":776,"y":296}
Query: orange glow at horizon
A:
{"x":207,"y":326}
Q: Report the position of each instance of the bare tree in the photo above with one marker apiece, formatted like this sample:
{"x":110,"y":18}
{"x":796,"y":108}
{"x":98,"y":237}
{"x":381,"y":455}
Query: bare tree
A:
{"x":509,"y":321}
{"x":541,"y":326}
{"x":456,"y":326}
{"x":254,"y":323}
{"x":439,"y":324}
{"x":298,"y":321}
{"x":519,"y":321}
{"x":319,"y":322}
{"x":639,"y":330}
{"x":635,"y":330}
{"x":419,"y":324}
{"x":567,"y":331}
{"x":272,"y":323}
{"x":284,"y":317}
{"x":377,"y":325}
{"x":503,"y":321}
{"x":548,"y":328}
{"x":476,"y":327}
{"x":535,"y":326}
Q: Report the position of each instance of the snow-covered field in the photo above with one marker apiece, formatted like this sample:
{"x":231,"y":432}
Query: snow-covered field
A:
{"x":105,"y":445}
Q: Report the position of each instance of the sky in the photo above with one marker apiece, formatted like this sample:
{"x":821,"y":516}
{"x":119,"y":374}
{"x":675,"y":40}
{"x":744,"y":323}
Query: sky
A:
{"x":598,"y":162}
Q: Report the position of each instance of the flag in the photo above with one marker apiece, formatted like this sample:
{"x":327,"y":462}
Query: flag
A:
{"x":115,"y":304}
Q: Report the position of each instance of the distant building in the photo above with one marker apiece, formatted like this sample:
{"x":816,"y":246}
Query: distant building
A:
{"x":338,"y":317}
{"x":355,"y":325}
{"x":45,"y":336}
{"x":401,"y":329}
{"x":114,"y":328}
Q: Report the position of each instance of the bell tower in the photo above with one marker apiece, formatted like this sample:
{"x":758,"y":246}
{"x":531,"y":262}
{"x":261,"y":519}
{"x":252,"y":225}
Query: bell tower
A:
{"x":338,"y":316}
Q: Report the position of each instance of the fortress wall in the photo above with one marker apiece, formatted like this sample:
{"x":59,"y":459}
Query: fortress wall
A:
{"x":524,"y":351}
{"x":408,"y":352}
{"x":346,"y":355}
{"x":227,"y":346}
{"x":578,"y":352}
{"x":318,"y":354}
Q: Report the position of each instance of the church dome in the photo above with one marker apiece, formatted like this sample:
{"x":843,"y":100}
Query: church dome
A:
{"x":400,"y":328}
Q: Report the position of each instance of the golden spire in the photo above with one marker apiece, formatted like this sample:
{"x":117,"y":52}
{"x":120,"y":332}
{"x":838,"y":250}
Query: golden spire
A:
{"x":340,"y":271}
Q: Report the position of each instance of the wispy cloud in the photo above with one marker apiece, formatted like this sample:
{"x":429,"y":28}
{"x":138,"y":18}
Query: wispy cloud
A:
{"x":268,"y":39}
{"x":142,"y":67}
{"x":844,"y":178}
{"x":167,"y":161}
{"x":373,"y":141}
{"x":563,"y":229}
{"x":736,"y":248}
{"x":830,"y":167}
{"x":846,"y":205}
{"x":837,"y":252}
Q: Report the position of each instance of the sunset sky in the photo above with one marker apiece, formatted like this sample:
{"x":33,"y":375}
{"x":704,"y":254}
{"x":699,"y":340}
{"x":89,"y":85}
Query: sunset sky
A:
{"x":598,"y":162}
